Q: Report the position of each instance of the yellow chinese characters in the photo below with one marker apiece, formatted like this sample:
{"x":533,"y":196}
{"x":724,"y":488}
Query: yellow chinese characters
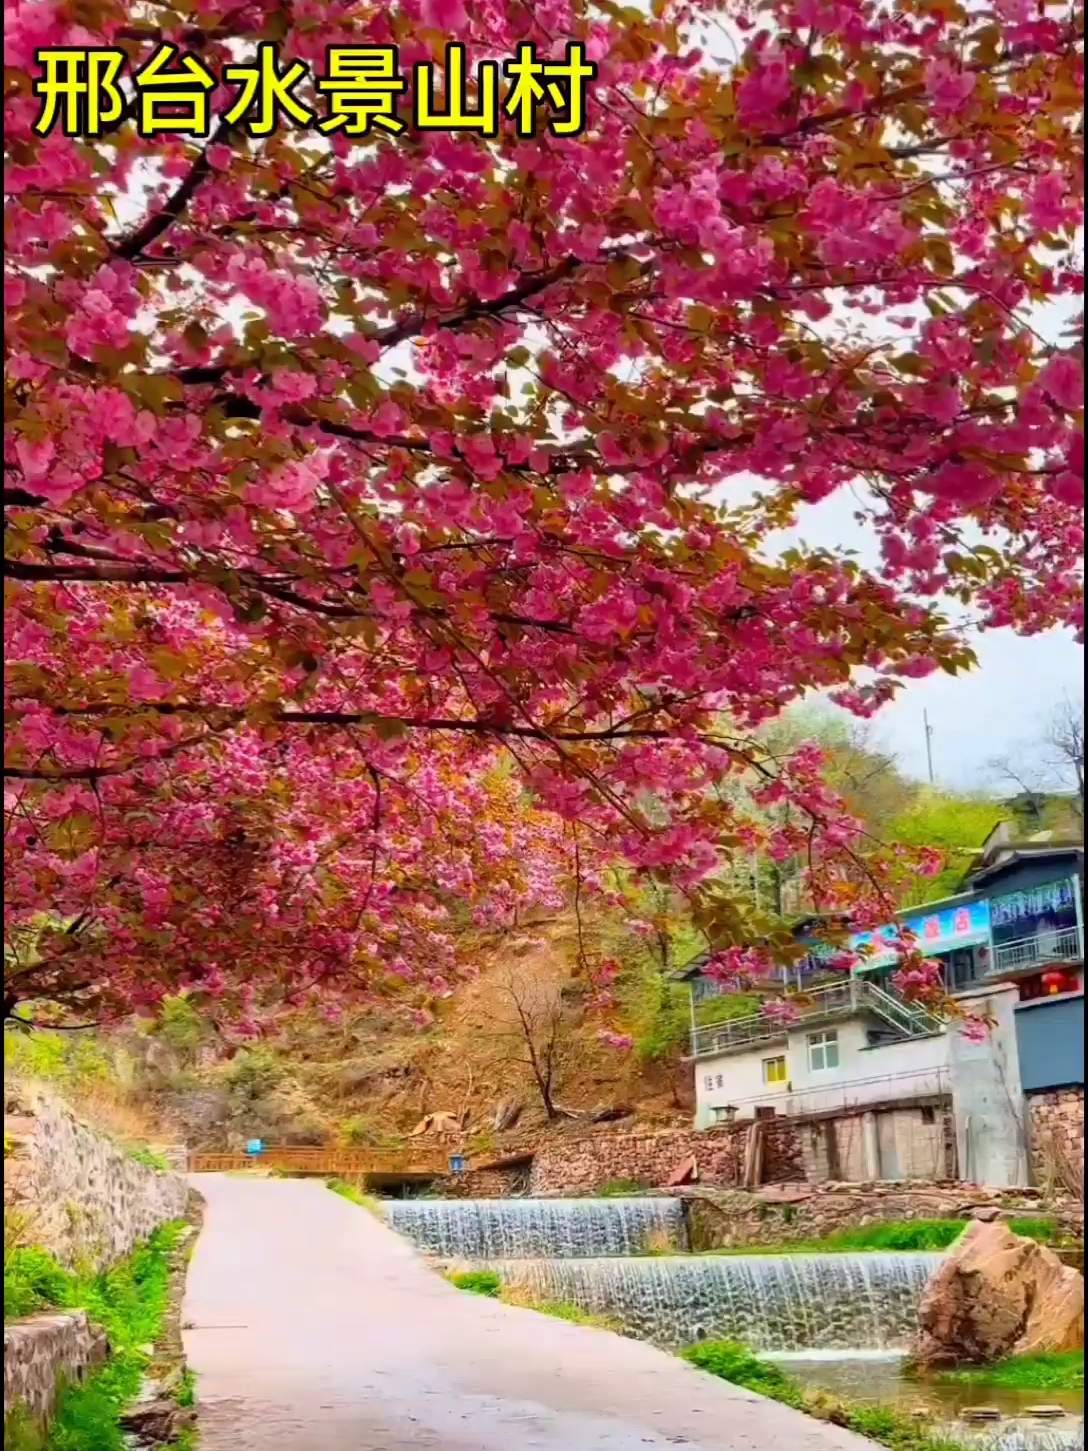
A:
{"x":362,"y":84}
{"x":172,"y":90}
{"x":183,"y":93}
{"x":562,"y":84}
{"x":79,"y":89}
{"x":458,"y":116}
{"x":266,"y":92}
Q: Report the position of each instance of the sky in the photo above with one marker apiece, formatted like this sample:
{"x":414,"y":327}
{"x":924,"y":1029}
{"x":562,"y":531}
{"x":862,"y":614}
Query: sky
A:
{"x":999,"y":709}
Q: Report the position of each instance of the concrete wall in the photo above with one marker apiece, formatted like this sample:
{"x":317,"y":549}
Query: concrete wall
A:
{"x":1050,"y":1039}
{"x":987,"y":1097}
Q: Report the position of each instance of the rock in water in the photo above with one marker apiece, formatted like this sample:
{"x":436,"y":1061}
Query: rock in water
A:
{"x":996,"y":1295}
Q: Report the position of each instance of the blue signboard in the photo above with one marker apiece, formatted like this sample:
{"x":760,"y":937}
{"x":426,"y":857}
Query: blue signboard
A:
{"x":457,"y":1164}
{"x":940,"y":931}
{"x":255,"y":1146}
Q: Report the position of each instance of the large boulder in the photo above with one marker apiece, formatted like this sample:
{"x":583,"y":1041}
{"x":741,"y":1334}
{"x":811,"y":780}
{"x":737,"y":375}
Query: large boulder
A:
{"x":995,"y":1295}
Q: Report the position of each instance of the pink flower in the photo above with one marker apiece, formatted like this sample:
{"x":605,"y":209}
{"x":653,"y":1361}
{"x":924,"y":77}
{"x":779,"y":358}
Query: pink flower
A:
{"x":1063,"y":380}
{"x":34,"y":457}
{"x":448,"y":16}
{"x":948,"y":87}
{"x":1046,"y":204}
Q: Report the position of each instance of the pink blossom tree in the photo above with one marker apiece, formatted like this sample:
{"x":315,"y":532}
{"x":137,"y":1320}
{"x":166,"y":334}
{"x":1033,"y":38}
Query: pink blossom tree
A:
{"x":344,"y":473}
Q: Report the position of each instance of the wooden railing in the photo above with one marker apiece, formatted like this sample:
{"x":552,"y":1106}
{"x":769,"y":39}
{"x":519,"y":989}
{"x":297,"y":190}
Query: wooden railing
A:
{"x":330,"y":1162}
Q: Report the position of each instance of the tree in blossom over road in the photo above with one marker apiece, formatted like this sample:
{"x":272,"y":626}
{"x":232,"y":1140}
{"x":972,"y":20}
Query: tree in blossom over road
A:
{"x":381,"y":539}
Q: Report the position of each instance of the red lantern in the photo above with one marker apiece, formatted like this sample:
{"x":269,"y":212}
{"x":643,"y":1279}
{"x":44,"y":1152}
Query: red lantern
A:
{"x":1057,"y":982}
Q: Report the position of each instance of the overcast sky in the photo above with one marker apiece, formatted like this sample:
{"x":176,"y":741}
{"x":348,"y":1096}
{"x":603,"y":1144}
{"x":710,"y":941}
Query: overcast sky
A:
{"x":1000,"y":708}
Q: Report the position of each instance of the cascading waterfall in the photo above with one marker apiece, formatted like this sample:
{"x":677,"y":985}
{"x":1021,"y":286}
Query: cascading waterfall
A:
{"x":841,"y":1302}
{"x":1020,"y":1438}
{"x":490,"y":1229}
{"x":606,"y":1256}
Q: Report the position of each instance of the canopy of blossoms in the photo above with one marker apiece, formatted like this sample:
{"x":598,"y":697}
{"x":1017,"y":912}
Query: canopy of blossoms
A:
{"x":388,"y":512}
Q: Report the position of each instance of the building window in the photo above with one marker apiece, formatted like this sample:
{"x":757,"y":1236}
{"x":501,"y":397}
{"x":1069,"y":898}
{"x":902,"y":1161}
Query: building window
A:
{"x":774,"y":1070}
{"x":929,"y":1115}
{"x":722,"y":1115}
{"x":823,"y":1052}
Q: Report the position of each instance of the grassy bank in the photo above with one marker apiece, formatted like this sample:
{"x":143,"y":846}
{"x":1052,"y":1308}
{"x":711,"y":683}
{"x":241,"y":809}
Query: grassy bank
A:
{"x":130,"y":1302}
{"x":357,"y":1196}
{"x":883,"y":1424}
{"x":905,"y":1235}
{"x":1050,"y":1372}
{"x":488,"y":1283}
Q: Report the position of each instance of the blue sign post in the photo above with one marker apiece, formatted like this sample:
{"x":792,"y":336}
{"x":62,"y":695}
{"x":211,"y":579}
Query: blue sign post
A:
{"x":255,"y":1146}
{"x":457,"y":1164}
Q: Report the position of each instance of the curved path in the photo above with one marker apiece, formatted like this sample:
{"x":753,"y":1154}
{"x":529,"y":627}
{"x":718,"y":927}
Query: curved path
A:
{"x":313,"y":1327}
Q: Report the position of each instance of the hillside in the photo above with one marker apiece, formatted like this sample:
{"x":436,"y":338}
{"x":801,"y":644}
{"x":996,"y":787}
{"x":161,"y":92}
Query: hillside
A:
{"x":377,"y":1077}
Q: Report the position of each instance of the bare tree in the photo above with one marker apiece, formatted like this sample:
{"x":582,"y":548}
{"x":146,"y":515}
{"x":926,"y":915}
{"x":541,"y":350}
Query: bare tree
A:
{"x":534,"y":1031}
{"x":1052,"y":764}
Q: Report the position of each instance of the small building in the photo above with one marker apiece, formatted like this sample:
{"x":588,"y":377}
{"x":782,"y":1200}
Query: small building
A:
{"x":888,"y":1089}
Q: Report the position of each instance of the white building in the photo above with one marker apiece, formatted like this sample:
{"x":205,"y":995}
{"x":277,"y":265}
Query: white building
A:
{"x":876,"y":1088}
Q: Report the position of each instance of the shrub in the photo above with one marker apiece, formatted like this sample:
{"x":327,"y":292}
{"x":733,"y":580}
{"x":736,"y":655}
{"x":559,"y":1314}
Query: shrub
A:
{"x":254,"y":1072}
{"x":180,"y":1025}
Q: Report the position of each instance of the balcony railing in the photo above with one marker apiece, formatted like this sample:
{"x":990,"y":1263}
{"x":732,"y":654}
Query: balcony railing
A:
{"x":1064,"y":945}
{"x":835,"y":1001}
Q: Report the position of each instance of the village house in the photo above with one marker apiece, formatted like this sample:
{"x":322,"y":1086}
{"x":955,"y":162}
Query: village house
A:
{"x":884,"y":1089}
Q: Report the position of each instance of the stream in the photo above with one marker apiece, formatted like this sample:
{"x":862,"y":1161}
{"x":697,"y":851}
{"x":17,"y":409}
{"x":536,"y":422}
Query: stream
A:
{"x":841,"y":1322}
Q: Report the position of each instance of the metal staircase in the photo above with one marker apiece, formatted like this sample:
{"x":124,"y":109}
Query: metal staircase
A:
{"x":821,"y":1005}
{"x":910,"y":1019}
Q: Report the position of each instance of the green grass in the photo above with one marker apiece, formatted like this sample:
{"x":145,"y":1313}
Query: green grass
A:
{"x":148,"y":1157}
{"x":1053,"y":1371}
{"x":883,"y":1424}
{"x":130,"y":1303}
{"x":915,"y":1234}
{"x":34,"y":1281}
{"x":357,"y":1196}
{"x":478,"y":1282}
{"x":620,"y":1189}
{"x":561,"y":1310}
{"x":737,"y":1364}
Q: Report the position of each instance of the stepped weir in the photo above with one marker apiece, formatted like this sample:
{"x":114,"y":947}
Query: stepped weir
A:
{"x":489,"y":1229}
{"x":624,"y":1258}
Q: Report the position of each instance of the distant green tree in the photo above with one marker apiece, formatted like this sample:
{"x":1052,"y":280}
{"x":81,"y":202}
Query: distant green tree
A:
{"x":954,"y":825}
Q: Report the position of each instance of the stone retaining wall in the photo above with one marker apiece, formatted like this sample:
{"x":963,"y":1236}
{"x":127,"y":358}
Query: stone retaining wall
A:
{"x":73,"y":1192}
{"x":43,"y":1354}
{"x":582,"y":1165}
{"x":798,"y":1213}
{"x":1056,"y":1133}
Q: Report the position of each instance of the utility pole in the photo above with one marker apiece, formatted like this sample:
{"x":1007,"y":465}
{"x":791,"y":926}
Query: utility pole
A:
{"x":929,"y":744}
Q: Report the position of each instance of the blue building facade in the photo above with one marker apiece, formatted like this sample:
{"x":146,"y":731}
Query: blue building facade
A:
{"x":1019,"y":921}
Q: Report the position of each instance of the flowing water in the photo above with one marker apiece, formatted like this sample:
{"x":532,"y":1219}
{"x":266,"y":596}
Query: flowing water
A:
{"x":839,"y":1321}
{"x":771,"y":1302}
{"x":490,"y":1229}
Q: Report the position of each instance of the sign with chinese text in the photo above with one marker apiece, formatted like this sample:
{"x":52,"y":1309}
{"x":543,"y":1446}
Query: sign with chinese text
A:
{"x":940,"y":931}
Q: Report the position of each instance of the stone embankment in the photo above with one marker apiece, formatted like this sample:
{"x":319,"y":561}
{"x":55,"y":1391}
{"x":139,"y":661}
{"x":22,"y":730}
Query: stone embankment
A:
{"x":800,"y":1213}
{"x":89,"y":1203}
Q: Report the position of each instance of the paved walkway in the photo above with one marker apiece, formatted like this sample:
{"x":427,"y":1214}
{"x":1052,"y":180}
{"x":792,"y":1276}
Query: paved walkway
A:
{"x":313,"y":1327}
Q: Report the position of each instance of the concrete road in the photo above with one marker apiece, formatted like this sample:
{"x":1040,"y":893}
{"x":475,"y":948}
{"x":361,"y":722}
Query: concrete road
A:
{"x":313,"y":1327}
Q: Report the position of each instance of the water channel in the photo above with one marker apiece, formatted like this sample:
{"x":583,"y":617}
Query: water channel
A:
{"x":842,"y":1322}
